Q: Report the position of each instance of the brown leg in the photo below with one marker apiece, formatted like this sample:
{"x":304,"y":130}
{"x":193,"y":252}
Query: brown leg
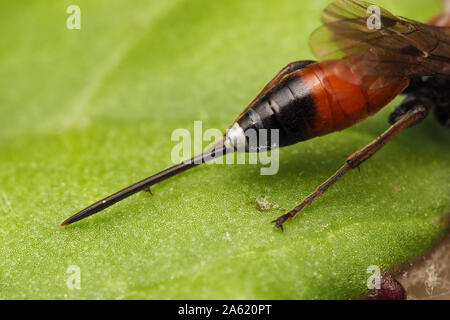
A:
{"x":356,"y":159}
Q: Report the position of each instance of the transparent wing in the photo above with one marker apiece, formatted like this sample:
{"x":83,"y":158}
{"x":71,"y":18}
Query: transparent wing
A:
{"x":375,"y":43}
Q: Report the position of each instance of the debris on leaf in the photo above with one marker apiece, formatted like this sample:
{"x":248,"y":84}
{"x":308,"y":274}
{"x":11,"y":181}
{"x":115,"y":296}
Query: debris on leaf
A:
{"x":323,"y":228}
{"x":263,"y":204}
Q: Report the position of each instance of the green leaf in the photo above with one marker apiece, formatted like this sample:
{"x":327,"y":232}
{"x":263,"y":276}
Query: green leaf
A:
{"x":87,"y":112}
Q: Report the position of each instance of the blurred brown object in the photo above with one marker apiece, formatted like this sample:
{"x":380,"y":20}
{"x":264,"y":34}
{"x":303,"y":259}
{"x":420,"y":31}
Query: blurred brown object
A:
{"x":429,"y":277}
{"x":444,"y":18}
{"x":390,"y":289}
{"x":446,"y":6}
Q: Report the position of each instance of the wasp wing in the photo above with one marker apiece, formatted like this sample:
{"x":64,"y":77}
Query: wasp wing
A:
{"x":375,"y":43}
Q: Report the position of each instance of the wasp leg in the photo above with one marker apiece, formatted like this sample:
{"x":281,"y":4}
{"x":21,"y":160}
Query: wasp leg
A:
{"x":355,"y":160}
{"x":442,"y":115}
{"x":406,"y":106}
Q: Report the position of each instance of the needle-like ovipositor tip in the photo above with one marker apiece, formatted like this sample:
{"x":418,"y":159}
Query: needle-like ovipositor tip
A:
{"x":210,"y":153}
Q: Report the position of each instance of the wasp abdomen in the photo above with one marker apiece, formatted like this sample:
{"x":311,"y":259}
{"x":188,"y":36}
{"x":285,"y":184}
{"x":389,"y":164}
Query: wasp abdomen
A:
{"x":287,"y":107}
{"x":316,"y":100}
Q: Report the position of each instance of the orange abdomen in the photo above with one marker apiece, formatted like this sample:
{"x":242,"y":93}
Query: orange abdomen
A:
{"x":320,"y":98}
{"x":339,"y":100}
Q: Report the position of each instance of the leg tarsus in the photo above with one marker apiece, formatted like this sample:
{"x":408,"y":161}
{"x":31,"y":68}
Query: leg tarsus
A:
{"x":280,"y":220}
